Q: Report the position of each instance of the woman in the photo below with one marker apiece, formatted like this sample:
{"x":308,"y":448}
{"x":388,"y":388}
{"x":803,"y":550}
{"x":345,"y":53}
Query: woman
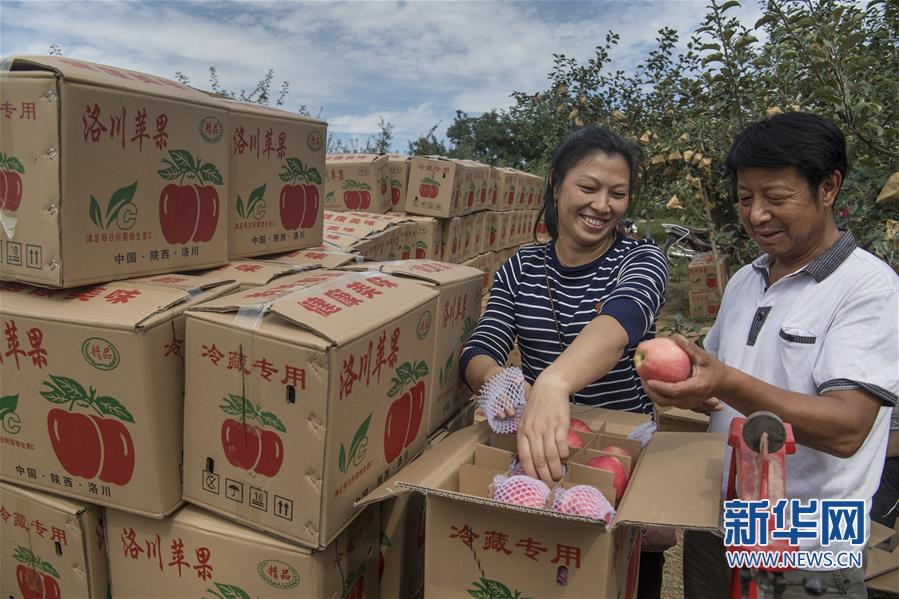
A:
{"x":578,"y":306}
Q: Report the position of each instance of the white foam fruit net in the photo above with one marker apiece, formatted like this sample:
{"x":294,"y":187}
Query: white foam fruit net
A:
{"x":520,"y":490}
{"x":643,"y":433}
{"x":504,"y":390}
{"x":515,"y":467}
{"x":583,"y":500}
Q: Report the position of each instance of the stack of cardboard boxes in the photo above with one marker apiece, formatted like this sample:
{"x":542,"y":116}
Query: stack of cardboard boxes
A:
{"x":707,"y":278}
{"x":458,"y":211}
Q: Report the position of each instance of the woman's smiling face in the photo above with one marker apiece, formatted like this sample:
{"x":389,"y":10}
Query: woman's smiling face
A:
{"x":591,"y":200}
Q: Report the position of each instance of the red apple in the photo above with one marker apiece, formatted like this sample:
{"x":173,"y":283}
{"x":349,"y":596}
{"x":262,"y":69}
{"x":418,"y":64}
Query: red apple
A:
{"x":610,"y":464}
{"x":619,"y":451}
{"x":574,"y":440}
{"x":661,"y":359}
{"x":579,"y":425}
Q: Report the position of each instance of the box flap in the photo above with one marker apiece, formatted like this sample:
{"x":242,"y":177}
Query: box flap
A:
{"x":888,"y":582}
{"x":879,"y":534}
{"x":881,"y":562}
{"x":677,"y":482}
{"x":439,"y":273}
{"x":268,"y":111}
{"x":268,"y":293}
{"x":216,"y":526}
{"x":256,"y":272}
{"x":357,"y":158}
{"x":107,"y":76}
{"x":321,"y":258}
{"x":435,"y":466}
{"x":53,"y":502}
{"x":119,"y":304}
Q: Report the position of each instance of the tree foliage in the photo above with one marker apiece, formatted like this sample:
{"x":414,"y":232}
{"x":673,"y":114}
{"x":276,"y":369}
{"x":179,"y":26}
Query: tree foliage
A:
{"x":683,"y":109}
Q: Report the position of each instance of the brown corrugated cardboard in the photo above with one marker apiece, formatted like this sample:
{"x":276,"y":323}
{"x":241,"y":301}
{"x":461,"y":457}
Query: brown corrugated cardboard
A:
{"x":357,"y":182}
{"x":122,"y":174}
{"x":882,"y":569}
{"x":277,"y":165}
{"x":97,"y":378}
{"x":704,"y":304}
{"x":475,"y":185}
{"x":676,"y":482}
{"x":458,"y":310}
{"x":492,"y":188}
{"x":265,"y":269}
{"x":197,"y":554}
{"x":680,"y":420}
{"x":435,"y":187}
{"x":50,"y":547}
{"x":399,"y":180}
{"x":326,"y":373}
{"x":451,"y":244}
{"x":508,"y":188}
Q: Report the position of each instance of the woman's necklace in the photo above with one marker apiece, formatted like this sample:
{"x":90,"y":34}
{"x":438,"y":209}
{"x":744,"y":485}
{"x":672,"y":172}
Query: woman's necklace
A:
{"x":552,"y":293}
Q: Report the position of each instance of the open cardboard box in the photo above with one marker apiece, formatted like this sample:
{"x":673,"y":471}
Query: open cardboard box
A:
{"x":882,"y":570}
{"x":56,"y":540}
{"x":473,"y":542}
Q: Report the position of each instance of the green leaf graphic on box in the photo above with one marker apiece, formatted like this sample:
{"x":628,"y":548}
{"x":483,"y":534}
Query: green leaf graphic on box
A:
{"x":361,"y":435}
{"x":228,"y":591}
{"x":110,"y":406}
{"x":396,"y":388}
{"x":236,"y":405}
{"x":171,"y":173}
{"x":11,"y":163}
{"x":210,"y":174}
{"x":183,"y":160}
{"x":71,"y":388}
{"x":444,"y":373}
{"x":492,"y":589}
{"x":329,"y":197}
{"x":270,"y":420}
{"x":420,"y":371}
{"x":341,"y":459}
{"x":313,"y":176}
{"x":120,"y":197}
{"x":404,"y":371}
{"x":255,"y":197}
{"x":385,"y":540}
{"x":49,"y":569}
{"x":240,"y":211}
{"x":8,"y":403}
{"x":96,"y":215}
{"x":24,"y":555}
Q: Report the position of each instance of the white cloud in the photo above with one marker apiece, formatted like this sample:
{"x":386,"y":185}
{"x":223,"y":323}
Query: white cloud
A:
{"x":413,"y":62}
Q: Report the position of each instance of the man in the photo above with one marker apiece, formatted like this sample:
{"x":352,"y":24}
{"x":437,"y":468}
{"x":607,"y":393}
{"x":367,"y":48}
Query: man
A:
{"x":807,"y":331}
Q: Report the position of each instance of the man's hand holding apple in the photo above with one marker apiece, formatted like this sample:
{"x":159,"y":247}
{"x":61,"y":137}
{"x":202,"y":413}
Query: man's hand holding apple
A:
{"x":708,"y":380}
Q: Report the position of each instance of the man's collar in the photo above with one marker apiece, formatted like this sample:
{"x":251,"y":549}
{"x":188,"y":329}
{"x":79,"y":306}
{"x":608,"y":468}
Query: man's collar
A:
{"x":821,"y":267}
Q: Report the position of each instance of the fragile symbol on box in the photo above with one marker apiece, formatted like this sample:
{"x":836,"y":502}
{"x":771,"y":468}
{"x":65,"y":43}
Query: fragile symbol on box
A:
{"x":234,"y":490}
{"x":283,"y":507}
{"x":258,"y":499}
{"x":210,"y":482}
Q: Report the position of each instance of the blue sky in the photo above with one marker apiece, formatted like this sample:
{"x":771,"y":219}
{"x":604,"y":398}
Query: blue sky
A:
{"x":414,"y":62}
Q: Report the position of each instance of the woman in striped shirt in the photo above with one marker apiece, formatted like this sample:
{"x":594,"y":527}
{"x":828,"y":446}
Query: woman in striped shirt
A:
{"x":578,"y":306}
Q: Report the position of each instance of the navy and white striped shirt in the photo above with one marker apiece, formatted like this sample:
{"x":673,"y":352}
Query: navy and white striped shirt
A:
{"x":629,"y":282}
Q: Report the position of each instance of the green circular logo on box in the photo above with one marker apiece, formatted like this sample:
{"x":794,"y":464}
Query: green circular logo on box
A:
{"x":278,"y":574}
{"x":211,"y":129}
{"x":424,"y":325}
{"x":100,"y":353}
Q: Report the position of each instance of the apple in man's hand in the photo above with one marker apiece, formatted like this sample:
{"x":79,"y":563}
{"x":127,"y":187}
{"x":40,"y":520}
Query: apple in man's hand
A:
{"x":662,"y":359}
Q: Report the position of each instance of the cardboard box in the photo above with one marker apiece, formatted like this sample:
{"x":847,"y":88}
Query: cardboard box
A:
{"x":119,"y":174}
{"x":97,"y":380}
{"x":704,"y":304}
{"x":276,"y":170}
{"x":680,"y":420}
{"x":508,"y":188}
{"x":882,"y":570}
{"x":474,"y":186}
{"x":492,"y":188}
{"x":336,"y":370}
{"x":451,"y":244}
{"x":458,"y":310}
{"x":55,"y":544}
{"x":399,"y":180}
{"x":357,"y":182}
{"x":264,"y":270}
{"x":705,"y":274}
{"x":540,"y":553}
{"x":435,"y":185}
{"x":197,"y":554}
{"x":402,"y":533}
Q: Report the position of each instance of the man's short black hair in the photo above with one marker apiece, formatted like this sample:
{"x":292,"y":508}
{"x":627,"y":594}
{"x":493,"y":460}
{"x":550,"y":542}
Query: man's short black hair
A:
{"x":811,"y":143}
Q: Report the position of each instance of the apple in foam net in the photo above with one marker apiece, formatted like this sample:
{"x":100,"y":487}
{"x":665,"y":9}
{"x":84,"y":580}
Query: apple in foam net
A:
{"x":661,"y":359}
{"x":610,"y":464}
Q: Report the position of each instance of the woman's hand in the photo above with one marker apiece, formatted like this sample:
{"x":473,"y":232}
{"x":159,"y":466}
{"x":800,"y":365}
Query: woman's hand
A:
{"x":509,"y":411}
{"x":707,"y":380}
{"x":543,"y":431}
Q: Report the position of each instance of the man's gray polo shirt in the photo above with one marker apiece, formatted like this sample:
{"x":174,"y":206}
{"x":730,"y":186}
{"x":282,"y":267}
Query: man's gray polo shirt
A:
{"x":832,"y":325}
